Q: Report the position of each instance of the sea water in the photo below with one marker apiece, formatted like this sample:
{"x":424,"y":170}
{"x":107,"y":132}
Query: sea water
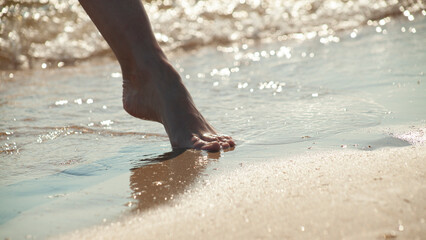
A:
{"x":280,"y":78}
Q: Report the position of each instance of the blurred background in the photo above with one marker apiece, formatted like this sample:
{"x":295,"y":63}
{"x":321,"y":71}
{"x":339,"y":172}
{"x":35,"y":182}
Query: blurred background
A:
{"x":55,"y":33}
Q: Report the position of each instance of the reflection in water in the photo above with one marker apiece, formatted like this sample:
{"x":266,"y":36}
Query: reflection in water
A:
{"x":168,"y":176}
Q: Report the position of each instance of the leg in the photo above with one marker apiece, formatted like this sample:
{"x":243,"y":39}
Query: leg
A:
{"x":152,"y":89}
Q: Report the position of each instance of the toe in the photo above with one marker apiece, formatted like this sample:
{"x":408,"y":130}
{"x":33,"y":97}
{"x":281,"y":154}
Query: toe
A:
{"x":225,"y":137}
{"x":231,"y":143}
{"x":211,"y":146}
{"x":222,"y":138}
{"x":199,"y":144}
{"x":194,"y":139}
{"x":224,"y":145}
{"x":209,"y":137}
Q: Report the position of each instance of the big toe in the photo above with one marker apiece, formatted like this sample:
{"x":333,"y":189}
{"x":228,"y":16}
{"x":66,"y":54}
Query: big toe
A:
{"x":211,"y":146}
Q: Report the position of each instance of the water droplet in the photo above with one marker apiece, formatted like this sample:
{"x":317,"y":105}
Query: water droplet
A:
{"x":157,"y":183}
{"x":201,"y":75}
{"x":116,"y":75}
{"x":78,"y":101}
{"x":106,"y":122}
{"x":407,"y":13}
{"x":61,"y":102}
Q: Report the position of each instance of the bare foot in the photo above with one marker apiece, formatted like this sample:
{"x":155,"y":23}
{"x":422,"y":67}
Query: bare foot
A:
{"x":155,"y":92}
{"x":152,"y":89}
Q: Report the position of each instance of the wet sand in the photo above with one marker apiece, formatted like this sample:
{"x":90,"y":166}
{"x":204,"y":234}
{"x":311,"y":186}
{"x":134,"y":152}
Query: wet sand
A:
{"x":347,"y":194}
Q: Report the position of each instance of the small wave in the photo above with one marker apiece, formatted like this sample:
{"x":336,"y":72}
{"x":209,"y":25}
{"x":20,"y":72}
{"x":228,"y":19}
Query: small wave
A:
{"x":46,"y":134}
{"x":60,"y":32}
{"x":54,"y":132}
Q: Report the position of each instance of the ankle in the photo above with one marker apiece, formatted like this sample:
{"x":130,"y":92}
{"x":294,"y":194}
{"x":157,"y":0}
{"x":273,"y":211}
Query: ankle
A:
{"x":144,"y":61}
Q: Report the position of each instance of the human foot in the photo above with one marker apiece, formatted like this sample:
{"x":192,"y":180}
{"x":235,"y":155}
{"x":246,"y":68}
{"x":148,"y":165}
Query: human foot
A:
{"x":157,"y":93}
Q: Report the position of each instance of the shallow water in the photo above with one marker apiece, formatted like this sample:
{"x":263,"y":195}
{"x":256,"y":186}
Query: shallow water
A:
{"x":72,"y":157}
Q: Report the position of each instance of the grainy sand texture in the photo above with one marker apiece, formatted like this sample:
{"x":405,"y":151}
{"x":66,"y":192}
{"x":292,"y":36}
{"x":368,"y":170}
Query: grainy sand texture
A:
{"x":349,"y":194}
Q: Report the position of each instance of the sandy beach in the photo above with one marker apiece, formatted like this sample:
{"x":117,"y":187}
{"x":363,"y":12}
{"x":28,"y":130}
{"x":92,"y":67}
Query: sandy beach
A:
{"x":343,"y":194}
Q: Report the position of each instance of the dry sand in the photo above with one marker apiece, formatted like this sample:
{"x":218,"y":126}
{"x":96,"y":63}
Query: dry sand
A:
{"x":348,"y":194}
